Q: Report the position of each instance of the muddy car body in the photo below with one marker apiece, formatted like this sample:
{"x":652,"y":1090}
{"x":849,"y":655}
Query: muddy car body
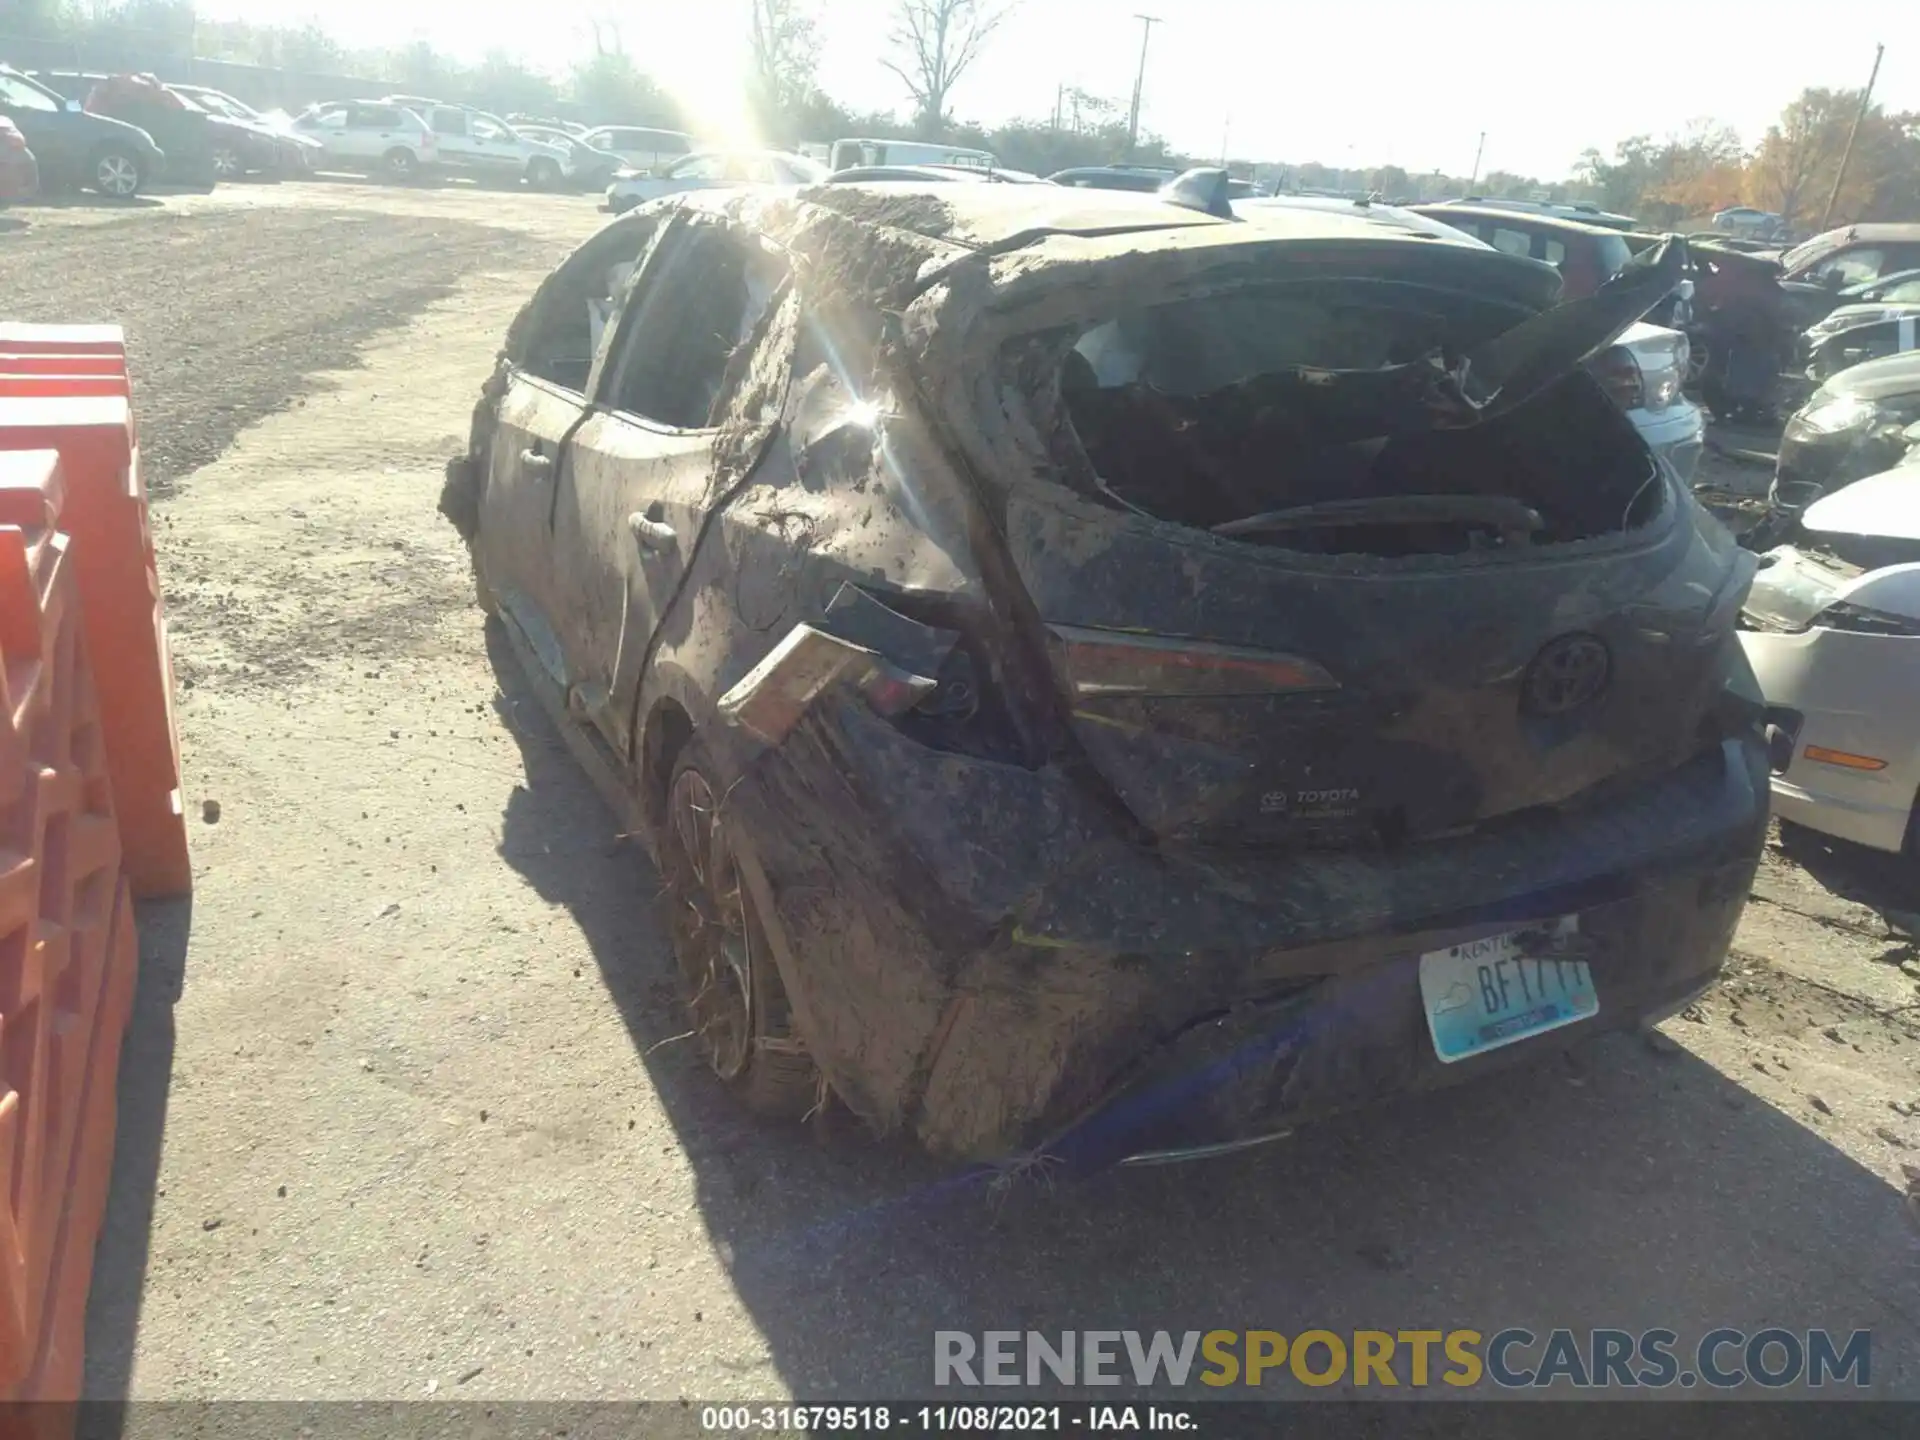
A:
{"x":1083,"y":702}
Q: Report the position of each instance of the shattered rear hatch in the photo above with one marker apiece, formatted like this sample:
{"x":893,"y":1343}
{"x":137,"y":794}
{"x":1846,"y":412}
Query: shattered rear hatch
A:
{"x":1335,"y":544}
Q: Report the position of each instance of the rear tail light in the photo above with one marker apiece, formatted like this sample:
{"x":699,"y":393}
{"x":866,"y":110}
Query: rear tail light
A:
{"x":1110,"y":664}
{"x":1619,"y":375}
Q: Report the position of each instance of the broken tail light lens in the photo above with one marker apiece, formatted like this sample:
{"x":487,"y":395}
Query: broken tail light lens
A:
{"x":1111,"y":664}
{"x":1619,"y":375}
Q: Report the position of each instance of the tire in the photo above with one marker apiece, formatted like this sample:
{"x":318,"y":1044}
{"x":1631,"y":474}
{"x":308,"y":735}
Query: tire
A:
{"x":115,"y":173}
{"x":400,"y":164}
{"x":736,"y":1003}
{"x":543,"y":174}
{"x":228,"y":164}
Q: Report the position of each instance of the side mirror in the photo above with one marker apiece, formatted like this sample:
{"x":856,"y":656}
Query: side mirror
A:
{"x":73,"y":107}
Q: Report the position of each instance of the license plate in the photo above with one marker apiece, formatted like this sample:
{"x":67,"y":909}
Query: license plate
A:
{"x":1482,"y":994}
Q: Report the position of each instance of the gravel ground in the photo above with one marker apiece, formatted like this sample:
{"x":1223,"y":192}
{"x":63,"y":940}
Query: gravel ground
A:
{"x":404,"y":1111}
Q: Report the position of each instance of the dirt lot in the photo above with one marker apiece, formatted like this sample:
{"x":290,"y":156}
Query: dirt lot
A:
{"x":404,"y":1112}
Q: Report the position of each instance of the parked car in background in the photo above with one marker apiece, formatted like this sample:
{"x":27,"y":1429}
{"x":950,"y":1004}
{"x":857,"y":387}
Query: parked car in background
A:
{"x":1582,"y":211}
{"x":1586,"y":255}
{"x":1142,"y":178}
{"x":372,"y":136}
{"x":640,"y":148}
{"x":75,"y":148}
{"x":197,"y":145}
{"x":1749,"y":223}
{"x":931,"y":175}
{"x":714,"y":169}
{"x":1856,"y":424}
{"x":586,"y":168}
{"x":486,"y":147}
{"x":1873,"y":320}
{"x":1644,"y":369}
{"x":1152,"y":674}
{"x":19,"y":171}
{"x":1816,"y":272}
{"x":296,"y":152}
{"x":1831,"y":626}
{"x":848,"y":153}
{"x":571,"y":128}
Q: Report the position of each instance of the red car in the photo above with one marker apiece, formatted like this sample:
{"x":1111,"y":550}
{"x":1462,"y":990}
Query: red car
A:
{"x":19,"y":171}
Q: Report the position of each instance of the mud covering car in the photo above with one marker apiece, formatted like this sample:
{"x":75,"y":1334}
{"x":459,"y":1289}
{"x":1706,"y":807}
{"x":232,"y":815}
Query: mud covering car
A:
{"x":1103,"y":682}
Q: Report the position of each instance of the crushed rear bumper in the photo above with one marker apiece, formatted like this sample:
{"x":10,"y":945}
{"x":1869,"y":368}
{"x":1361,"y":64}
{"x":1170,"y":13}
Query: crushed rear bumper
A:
{"x":978,"y":954}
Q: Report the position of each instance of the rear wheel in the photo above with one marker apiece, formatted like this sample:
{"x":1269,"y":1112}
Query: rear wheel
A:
{"x":735,"y":1000}
{"x":227,"y":163}
{"x":400,"y":163}
{"x":116,"y":173}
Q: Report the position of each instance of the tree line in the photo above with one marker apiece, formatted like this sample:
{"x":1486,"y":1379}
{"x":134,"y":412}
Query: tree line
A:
{"x":933,"y":46}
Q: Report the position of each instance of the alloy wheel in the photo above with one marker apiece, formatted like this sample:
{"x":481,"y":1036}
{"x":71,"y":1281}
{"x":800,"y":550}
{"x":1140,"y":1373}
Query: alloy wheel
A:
{"x":117,"y":175}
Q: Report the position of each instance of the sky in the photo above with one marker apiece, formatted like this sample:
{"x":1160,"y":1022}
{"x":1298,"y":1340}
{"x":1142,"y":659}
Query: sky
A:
{"x":1353,"y":84}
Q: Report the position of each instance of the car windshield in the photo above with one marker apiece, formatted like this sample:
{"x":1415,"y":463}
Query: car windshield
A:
{"x":22,"y":93}
{"x":225,"y":105}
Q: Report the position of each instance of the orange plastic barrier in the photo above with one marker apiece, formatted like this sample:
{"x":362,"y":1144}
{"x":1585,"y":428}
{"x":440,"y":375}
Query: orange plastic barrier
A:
{"x":106,"y":514}
{"x":40,"y":362}
{"x":62,"y":384}
{"x":62,"y":339}
{"x":67,"y":946}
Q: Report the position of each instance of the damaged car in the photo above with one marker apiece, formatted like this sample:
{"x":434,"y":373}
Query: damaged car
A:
{"x":1107,"y":683}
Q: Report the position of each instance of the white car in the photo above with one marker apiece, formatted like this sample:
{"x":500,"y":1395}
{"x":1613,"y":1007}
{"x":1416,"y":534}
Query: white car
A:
{"x":1832,"y":629}
{"x":713,"y":169}
{"x":639,"y":147}
{"x":488,"y":148}
{"x":372,"y":135}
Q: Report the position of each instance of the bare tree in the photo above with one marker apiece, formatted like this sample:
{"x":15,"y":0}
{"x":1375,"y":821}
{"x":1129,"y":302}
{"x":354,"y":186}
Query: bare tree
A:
{"x":936,"y":41}
{"x":784,"y":51}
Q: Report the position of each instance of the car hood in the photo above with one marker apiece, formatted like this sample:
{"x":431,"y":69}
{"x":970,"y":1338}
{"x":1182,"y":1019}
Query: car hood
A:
{"x":1867,"y":312}
{"x":1886,"y":506}
{"x":1883,"y":379}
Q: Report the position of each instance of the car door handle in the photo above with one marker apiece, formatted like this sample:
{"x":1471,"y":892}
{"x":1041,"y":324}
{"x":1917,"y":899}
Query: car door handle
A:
{"x":654,"y":535}
{"x":534,"y":461}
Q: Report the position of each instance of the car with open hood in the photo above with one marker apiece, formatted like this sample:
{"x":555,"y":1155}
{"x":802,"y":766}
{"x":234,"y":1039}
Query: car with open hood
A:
{"x":203,"y":149}
{"x":1103,"y":682}
{"x":1858,"y":423}
{"x":1832,"y":628}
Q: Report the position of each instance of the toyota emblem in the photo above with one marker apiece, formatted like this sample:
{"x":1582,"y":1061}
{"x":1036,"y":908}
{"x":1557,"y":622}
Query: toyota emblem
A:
{"x":1569,"y":672}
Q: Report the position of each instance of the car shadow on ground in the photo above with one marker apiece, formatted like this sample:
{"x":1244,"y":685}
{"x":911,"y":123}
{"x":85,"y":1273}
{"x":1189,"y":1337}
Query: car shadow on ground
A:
{"x":1880,"y":879}
{"x":1629,"y":1184}
{"x":146,"y":1078}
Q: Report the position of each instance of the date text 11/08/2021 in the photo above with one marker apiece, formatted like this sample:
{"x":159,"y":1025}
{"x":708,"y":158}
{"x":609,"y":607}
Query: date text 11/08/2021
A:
{"x":944,"y":1419}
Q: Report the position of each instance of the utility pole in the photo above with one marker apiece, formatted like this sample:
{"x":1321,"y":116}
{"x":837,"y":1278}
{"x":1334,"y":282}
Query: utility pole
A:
{"x":1478,"y":151}
{"x":1226,"y":134}
{"x":1846,"y":155}
{"x":1059,"y":103}
{"x":1147,"y":22}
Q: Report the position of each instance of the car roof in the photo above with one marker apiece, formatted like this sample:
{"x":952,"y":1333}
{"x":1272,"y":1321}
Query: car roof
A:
{"x":1404,"y":217}
{"x":1828,"y":241}
{"x":1441,"y":209}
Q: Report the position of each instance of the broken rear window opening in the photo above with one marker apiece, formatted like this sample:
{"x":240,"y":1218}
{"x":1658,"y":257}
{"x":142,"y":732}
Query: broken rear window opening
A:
{"x":1334,"y":417}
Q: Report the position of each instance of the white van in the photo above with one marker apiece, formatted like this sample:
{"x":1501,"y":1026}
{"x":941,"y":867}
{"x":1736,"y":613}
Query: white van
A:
{"x":640,"y":147}
{"x":849,"y":153}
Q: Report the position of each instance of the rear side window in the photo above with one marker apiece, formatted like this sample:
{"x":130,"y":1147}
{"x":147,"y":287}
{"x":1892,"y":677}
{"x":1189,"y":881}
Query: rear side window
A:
{"x":695,"y":309}
{"x":1612,"y":252}
{"x":1511,"y":242}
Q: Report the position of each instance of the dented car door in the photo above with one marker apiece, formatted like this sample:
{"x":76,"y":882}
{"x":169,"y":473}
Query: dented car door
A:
{"x":639,"y":485}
